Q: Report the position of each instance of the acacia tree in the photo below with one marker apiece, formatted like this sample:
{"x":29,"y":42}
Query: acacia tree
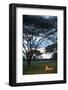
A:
{"x":52,"y":49}
{"x":36,"y":30}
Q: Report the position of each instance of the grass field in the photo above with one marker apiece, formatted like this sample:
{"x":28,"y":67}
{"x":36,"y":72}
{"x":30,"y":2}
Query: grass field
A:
{"x":40,"y":67}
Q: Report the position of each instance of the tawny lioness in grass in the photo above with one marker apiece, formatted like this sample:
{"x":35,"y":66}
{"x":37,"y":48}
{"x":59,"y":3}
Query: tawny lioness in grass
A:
{"x":48,"y":68}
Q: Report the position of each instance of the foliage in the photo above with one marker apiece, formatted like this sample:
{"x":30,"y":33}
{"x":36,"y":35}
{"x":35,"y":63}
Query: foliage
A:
{"x":36,"y":30}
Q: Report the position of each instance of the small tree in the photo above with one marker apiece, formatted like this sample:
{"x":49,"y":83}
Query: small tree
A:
{"x":52,"y":49}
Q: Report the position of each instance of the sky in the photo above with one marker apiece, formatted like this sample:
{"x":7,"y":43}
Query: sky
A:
{"x":47,"y":41}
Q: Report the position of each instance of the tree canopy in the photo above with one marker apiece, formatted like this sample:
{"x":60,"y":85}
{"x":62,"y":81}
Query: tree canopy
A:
{"x":39,"y":32}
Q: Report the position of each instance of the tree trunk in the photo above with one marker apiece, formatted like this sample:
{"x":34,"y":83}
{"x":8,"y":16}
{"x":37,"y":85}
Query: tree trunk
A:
{"x":29,"y":57}
{"x":29,"y":62}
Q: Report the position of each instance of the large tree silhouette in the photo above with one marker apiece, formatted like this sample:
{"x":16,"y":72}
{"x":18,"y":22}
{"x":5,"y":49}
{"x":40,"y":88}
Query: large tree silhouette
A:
{"x":36,"y":30}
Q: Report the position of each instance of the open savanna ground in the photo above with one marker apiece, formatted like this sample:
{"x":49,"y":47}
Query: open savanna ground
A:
{"x":40,"y":67}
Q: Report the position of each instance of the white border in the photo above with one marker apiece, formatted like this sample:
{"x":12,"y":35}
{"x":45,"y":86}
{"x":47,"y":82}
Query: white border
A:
{"x":42,"y":77}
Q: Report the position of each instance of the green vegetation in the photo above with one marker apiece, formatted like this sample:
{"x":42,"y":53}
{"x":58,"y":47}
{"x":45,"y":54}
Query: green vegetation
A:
{"x":40,"y":67}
